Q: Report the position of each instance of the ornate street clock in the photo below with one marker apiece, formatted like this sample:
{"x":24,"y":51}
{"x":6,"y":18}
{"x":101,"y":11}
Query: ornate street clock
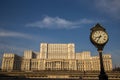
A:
{"x":98,"y":36}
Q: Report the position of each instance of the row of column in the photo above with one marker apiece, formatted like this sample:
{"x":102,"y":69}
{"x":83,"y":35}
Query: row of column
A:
{"x":7,"y":64}
{"x":57,"y":65}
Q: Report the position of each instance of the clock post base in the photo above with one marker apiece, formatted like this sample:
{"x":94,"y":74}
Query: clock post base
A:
{"x":103,"y":77}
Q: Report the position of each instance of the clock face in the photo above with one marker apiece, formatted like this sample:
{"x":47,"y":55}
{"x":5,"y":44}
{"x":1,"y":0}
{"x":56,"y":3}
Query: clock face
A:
{"x":99,"y":37}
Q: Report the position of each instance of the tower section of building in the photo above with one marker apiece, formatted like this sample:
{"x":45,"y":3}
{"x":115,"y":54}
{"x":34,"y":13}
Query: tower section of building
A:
{"x":11,"y":62}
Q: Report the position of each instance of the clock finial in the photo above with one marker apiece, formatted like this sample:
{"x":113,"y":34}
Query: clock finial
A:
{"x":97,"y":27}
{"x":98,"y":24}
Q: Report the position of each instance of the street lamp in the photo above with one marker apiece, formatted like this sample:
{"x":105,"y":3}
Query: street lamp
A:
{"x":99,"y":38}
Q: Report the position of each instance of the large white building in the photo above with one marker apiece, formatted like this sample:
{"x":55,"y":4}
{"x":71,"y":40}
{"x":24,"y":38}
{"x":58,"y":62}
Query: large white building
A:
{"x":55,"y":57}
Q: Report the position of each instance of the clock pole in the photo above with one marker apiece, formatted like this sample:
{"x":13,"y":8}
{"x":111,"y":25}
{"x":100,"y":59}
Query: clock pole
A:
{"x":99,"y":45}
{"x":103,"y":75}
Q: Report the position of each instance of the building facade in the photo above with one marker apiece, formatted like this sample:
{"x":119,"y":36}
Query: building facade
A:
{"x":11,"y":62}
{"x":55,"y":57}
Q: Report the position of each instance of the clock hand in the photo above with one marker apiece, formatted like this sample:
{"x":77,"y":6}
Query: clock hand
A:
{"x":99,"y":38}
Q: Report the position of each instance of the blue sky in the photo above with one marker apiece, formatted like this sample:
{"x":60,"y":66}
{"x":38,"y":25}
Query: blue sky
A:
{"x":24,"y":24}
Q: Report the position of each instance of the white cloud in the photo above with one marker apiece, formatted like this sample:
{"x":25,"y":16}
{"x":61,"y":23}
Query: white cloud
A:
{"x":111,"y":7}
{"x":6,"y":33}
{"x":58,"y":23}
